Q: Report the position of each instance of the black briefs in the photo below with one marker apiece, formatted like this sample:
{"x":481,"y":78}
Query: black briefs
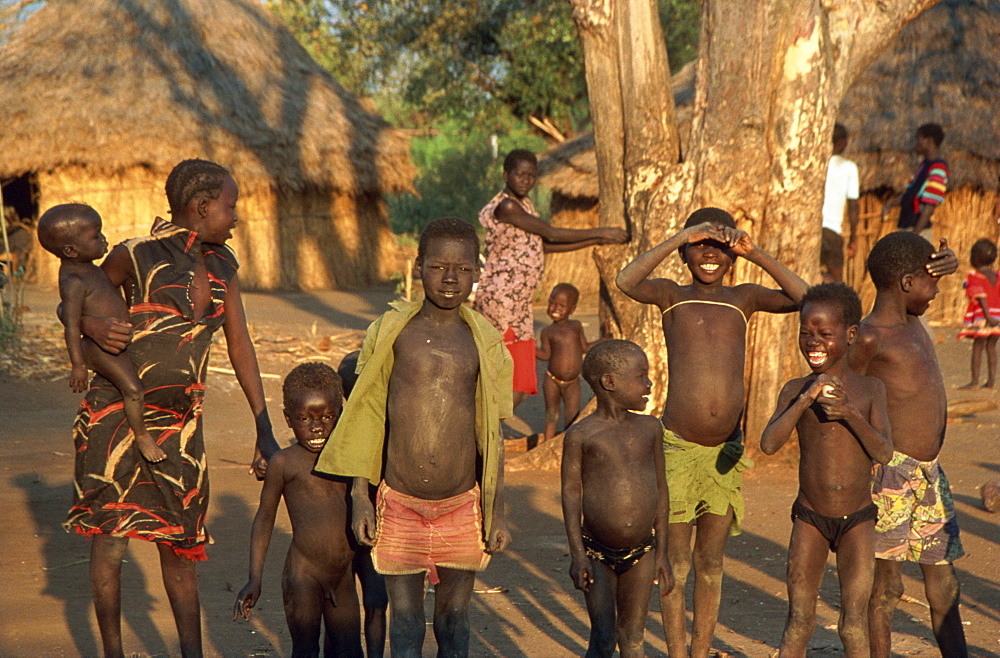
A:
{"x":833,"y":528}
{"x":618,"y":560}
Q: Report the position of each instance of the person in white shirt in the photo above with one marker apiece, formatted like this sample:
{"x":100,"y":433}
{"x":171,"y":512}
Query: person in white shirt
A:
{"x":841,"y":191}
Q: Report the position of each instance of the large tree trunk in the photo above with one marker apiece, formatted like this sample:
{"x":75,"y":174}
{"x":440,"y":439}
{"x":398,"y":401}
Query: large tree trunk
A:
{"x":770,"y":78}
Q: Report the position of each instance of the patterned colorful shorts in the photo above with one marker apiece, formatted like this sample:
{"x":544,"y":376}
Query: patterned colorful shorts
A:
{"x":916,"y":514}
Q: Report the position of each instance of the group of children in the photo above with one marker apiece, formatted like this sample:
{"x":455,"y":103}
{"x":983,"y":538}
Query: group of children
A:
{"x":417,"y":452}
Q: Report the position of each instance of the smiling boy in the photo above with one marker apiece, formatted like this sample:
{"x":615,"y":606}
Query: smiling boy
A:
{"x":434,"y":381}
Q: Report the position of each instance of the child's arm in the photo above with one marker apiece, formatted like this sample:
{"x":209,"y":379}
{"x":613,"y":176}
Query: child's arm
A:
{"x":499,"y":538}
{"x":580,"y":568}
{"x":260,"y":538}
{"x":544,"y":351}
{"x":792,"y":286}
{"x":362,"y":512}
{"x":244,"y":359}
{"x":662,"y":523}
{"x":72,"y":291}
{"x":634,"y":279}
{"x":792,"y":402}
{"x":605,"y":335}
{"x":863,"y":351}
{"x":872,"y":432}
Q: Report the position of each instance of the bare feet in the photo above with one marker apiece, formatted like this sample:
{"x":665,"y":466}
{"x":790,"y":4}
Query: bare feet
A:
{"x":988,"y":384}
{"x":148,"y":448}
{"x":965,"y":386}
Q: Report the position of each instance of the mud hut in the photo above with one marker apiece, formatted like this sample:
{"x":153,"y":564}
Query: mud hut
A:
{"x":102,"y":98}
{"x":943,"y":68}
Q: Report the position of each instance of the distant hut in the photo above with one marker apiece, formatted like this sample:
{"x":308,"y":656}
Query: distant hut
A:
{"x":102,"y":98}
{"x":945,"y":68}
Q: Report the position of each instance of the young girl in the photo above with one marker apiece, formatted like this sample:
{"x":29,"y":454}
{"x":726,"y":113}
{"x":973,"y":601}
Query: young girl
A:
{"x":704,"y":326}
{"x":982,"y":316}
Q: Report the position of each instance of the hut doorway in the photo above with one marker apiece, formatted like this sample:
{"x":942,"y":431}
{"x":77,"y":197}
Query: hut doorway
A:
{"x":22,"y":194}
{"x":20,"y":212}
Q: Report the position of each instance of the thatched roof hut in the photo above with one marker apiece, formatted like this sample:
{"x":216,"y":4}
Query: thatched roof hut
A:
{"x":945,"y":68}
{"x":102,"y":98}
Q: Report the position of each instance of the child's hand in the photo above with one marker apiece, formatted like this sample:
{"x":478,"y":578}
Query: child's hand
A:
{"x":78,"y":379}
{"x":363,"y":520}
{"x":992,"y":322}
{"x":703,"y":231}
{"x":835,"y":407}
{"x":613,"y":235}
{"x":739,"y":241}
{"x":665,"y":574}
{"x":245,"y":600}
{"x":943,"y":261}
{"x":258,"y":466}
{"x":582,"y":573}
{"x":826,"y":386}
{"x":499,"y":538}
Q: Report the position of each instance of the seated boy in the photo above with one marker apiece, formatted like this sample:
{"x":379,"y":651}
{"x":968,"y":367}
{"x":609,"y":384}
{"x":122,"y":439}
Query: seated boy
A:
{"x":842,"y":427}
{"x":316,"y":583}
{"x":916,"y":516}
{"x":374,"y":598}
{"x":72,"y":232}
{"x":563,"y":345}
{"x":434,"y":380}
{"x":704,"y":326}
{"x":615,"y":500}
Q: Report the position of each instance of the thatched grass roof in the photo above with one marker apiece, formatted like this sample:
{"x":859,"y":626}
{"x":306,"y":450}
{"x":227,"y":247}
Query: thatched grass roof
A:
{"x":943,"y":68}
{"x":111,"y":84}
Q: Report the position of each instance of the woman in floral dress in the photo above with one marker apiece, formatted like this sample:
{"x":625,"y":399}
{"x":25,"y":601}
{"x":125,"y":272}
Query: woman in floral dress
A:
{"x":515,"y":243}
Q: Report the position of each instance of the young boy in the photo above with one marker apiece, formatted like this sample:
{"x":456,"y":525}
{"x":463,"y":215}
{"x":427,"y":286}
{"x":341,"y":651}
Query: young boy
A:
{"x":615,"y":500}
{"x":434,"y":381}
{"x":374,"y":598}
{"x":563,"y":346}
{"x":72,"y":232}
{"x":316,"y":584}
{"x":704,"y":325}
{"x":916,"y":515}
{"x":842,"y":427}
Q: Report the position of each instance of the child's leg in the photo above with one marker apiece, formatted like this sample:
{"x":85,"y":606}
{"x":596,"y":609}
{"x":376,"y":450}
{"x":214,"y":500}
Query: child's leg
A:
{"x":977,"y":356}
{"x":807,"y":551}
{"x":120,"y":371}
{"x":553,"y":395}
{"x":106,"y":554}
{"x":601,"y":608}
{"x":709,"y":545}
{"x":634,"y":589}
{"x":181,"y":582}
{"x":942,"y":590}
{"x":991,"y":360}
{"x":452,"y":597}
{"x":375,"y":602}
{"x":406,"y":624}
{"x":303,"y":599}
{"x":342,"y":619}
{"x":571,"y":402}
{"x":856,"y":571}
{"x":672,"y":608}
{"x":887,"y":588}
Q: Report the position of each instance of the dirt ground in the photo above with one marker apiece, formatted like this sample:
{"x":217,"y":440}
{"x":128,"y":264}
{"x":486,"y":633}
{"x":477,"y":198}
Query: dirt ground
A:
{"x":525,"y":603}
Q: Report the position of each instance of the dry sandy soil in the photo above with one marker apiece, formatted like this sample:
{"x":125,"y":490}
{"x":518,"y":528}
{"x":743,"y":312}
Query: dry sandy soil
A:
{"x":525,"y":603}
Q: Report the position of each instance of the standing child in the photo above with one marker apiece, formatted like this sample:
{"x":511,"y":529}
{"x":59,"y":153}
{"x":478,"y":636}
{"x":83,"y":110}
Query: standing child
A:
{"x":72,"y":232}
{"x":982,"y":316}
{"x":704,"y":325}
{"x":434,"y":381}
{"x":615,"y":501}
{"x":563,"y":346}
{"x":374,"y":598}
{"x":842,"y":427}
{"x":316,"y":583}
{"x":916,"y":515}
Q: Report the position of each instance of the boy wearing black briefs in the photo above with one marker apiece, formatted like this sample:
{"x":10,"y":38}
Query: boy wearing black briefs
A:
{"x":842,"y":427}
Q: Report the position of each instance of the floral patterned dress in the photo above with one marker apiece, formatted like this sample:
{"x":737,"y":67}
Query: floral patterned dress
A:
{"x":116,"y":491}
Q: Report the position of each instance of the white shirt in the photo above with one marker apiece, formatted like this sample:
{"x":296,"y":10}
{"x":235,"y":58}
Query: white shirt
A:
{"x":841,"y":185}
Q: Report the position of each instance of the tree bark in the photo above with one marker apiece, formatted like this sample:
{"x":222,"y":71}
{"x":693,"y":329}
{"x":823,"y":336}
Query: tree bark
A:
{"x":770,"y":77}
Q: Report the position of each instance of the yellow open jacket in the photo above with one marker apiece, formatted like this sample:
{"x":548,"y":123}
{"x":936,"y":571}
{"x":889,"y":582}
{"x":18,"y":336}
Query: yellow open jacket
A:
{"x":356,"y":446}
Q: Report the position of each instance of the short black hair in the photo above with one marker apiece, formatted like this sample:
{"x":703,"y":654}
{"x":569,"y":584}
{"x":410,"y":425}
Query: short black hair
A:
{"x":715,"y":216}
{"x":608,"y":357}
{"x":574,"y":292}
{"x":450,"y":228}
{"x":839,"y":133}
{"x":57,"y":225}
{"x":840,"y":295}
{"x":932,"y":130}
{"x":518,"y":155}
{"x":312,"y":376}
{"x":896,"y":255}
{"x":193,"y":177}
{"x":983,"y":253}
{"x":346,"y":371}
